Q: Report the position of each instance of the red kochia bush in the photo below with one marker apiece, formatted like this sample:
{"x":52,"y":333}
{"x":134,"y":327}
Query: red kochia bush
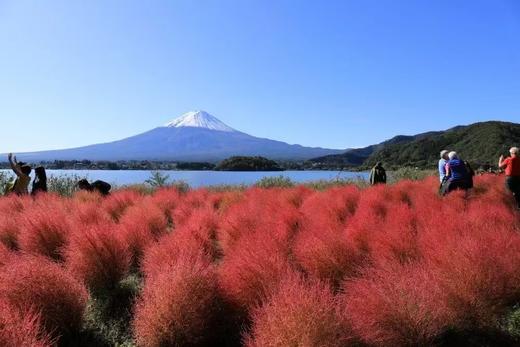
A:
{"x":39,"y":284}
{"x":88,"y":212}
{"x":196,"y":237}
{"x":369,"y":218}
{"x":10,"y":229}
{"x":254,"y":269}
{"x":202,"y":227}
{"x":166,"y":198}
{"x":325,"y":254}
{"x":98,"y":256}
{"x":14,"y":203}
{"x":178,"y":306}
{"x":191,"y":201}
{"x":261,"y":211}
{"x":297,"y":195}
{"x":117,"y":203}
{"x":166,"y":252}
{"x":142,"y":224}
{"x":397,"y":240}
{"x":397,"y":305}
{"x":45,"y":229}
{"x":320,"y":247}
{"x":407,"y":267}
{"x":300,"y":313}
{"x":335,"y":205}
{"x":5,"y":254}
{"x":145,"y":216}
{"x":478,"y":270}
{"x":85,"y":196}
{"x":21,"y":329}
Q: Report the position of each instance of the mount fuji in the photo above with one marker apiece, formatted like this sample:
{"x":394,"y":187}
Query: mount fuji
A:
{"x":194,"y":136}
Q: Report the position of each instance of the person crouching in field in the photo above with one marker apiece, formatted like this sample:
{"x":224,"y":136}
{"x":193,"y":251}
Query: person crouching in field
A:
{"x":512,"y":169}
{"x":40,"y":181}
{"x":98,"y":186}
{"x":21,"y":185}
{"x":457,"y":173}
{"x":378,"y":174}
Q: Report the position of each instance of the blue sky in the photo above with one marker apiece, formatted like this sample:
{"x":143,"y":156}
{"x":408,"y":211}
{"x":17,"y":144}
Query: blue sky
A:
{"x":331,"y":73}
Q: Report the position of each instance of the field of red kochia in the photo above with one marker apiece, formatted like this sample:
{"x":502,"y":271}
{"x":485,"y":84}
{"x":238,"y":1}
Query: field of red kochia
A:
{"x":389,"y":265}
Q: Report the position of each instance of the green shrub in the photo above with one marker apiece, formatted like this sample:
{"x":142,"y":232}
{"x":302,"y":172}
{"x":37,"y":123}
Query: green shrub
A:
{"x":227,"y":187}
{"x":64,"y":185}
{"x":336,"y":182}
{"x":158,"y":179}
{"x":180,"y":185}
{"x":5,"y":178}
{"x":275,"y":182}
{"x":141,"y":188}
{"x":408,"y":173}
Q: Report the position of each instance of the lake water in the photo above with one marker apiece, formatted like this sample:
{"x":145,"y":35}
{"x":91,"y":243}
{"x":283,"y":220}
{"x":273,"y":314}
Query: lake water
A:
{"x":204,"y":178}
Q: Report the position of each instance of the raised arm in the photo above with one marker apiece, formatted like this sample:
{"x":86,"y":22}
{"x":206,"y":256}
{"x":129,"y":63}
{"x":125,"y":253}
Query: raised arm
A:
{"x":14,"y":165}
{"x":501,"y":163}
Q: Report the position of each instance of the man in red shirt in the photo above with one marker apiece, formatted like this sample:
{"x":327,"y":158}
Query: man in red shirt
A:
{"x":512,"y":169}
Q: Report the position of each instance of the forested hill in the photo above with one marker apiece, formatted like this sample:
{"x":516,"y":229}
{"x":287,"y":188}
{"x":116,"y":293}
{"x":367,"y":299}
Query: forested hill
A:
{"x":479,"y":143}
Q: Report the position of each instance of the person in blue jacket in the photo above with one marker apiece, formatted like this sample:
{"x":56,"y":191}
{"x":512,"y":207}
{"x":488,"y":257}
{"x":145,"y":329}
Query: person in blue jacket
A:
{"x":457,"y":173}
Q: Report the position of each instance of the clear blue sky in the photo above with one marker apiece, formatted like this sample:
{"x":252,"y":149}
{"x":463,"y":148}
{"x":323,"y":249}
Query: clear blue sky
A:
{"x":331,"y":73}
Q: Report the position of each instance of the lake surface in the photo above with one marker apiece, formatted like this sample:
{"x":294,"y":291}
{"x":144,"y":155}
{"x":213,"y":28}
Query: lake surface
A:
{"x":203,"y":178}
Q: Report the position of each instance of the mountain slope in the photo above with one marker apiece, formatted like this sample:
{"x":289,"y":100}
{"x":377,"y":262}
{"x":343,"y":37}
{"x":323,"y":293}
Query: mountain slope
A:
{"x":195,"y":136}
{"x":480,"y":143}
{"x":357,"y":156}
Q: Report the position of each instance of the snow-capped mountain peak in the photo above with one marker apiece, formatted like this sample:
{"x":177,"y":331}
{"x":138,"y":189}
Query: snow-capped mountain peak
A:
{"x":199,"y":119}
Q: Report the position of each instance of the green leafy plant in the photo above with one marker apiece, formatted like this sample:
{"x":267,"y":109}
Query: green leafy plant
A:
{"x":5,"y":178}
{"x":158,"y":179}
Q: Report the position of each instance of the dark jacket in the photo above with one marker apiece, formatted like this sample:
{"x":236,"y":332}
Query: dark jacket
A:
{"x":457,"y":170}
{"x":102,"y":187}
{"x":377,"y":175}
{"x":38,"y":186}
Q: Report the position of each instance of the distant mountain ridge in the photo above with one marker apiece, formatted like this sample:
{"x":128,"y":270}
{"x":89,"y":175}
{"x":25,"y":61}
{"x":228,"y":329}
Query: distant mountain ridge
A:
{"x":480,"y":143}
{"x":195,"y":136}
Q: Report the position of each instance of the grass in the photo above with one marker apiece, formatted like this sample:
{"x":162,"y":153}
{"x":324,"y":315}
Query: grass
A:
{"x":109,"y":312}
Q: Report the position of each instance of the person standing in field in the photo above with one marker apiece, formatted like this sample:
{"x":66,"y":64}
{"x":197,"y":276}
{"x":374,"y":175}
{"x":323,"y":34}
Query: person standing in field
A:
{"x":442,"y":164}
{"x":23,"y":178}
{"x":471,"y":174}
{"x":512,"y":170}
{"x":40,"y":181}
{"x":457,"y":173}
{"x":378,"y":174}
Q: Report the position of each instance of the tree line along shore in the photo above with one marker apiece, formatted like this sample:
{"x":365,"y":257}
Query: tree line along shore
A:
{"x":237,"y":163}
